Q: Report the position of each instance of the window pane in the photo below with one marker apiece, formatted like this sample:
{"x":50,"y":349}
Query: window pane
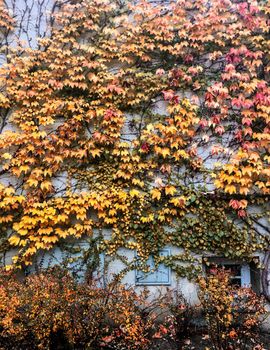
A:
{"x":239,"y":272}
{"x":235,"y":270}
{"x":236,"y":281}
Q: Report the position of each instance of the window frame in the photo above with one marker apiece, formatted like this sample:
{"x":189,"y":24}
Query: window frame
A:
{"x":245,"y":277}
{"x":153,"y":283}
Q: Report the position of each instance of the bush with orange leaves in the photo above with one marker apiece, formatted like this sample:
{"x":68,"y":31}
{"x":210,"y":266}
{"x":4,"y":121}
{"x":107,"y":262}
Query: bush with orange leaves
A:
{"x":51,"y":308}
{"x":35,"y":311}
{"x":233,"y":314}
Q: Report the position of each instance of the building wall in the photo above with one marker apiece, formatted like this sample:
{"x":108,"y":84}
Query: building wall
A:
{"x":188,"y":288}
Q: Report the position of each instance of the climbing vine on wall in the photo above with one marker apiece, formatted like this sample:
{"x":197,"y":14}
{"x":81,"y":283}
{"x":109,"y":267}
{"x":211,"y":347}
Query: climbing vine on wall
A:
{"x":149,"y":120}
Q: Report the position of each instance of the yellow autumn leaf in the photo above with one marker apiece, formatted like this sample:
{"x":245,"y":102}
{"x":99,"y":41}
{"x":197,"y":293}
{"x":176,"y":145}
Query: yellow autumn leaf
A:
{"x":14,"y":240}
{"x":110,"y":221}
{"x":31,"y":251}
{"x":61,"y":233}
{"x":45,"y":231}
{"x":9,"y":267}
{"x":165,"y":152}
{"x":24,"y":168}
{"x":46,"y":185}
{"x":22,"y":232}
{"x":156,"y":194}
{"x":9,"y":190}
{"x":248,"y":170}
{"x":243,"y":190}
{"x":161,"y":218}
{"x":95,"y":152}
{"x":40,"y":245}
{"x":58,"y":159}
{"x":218,"y":184}
{"x":81,"y":216}
{"x":71,"y":231}
{"x":230,"y":189}
{"x":229,"y":167}
{"x":32,"y":182}
{"x":148,"y":218}
{"x":266,"y":172}
{"x":267,"y":158}
{"x":48,"y":172}
{"x":260,"y":184}
{"x":170,"y":190}
{"x":112,"y":212}
{"x":138,"y":182}
{"x":134,"y":193}
{"x":50,"y":239}
{"x":6,"y":156}
{"x":178,"y":201}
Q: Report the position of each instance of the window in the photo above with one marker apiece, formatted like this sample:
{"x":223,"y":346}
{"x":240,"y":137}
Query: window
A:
{"x":242,"y":273}
{"x":158,"y":275}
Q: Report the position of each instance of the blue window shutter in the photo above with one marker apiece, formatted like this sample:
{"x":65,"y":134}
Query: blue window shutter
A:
{"x":158,"y":275}
{"x":245,"y":276}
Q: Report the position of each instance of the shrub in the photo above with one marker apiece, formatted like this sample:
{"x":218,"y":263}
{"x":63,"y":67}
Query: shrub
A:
{"x":52,"y":308}
{"x":233,"y":314}
{"x":179,"y":324}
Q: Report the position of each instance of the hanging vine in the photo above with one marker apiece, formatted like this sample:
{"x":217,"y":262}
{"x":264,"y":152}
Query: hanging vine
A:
{"x":150,"y":120}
